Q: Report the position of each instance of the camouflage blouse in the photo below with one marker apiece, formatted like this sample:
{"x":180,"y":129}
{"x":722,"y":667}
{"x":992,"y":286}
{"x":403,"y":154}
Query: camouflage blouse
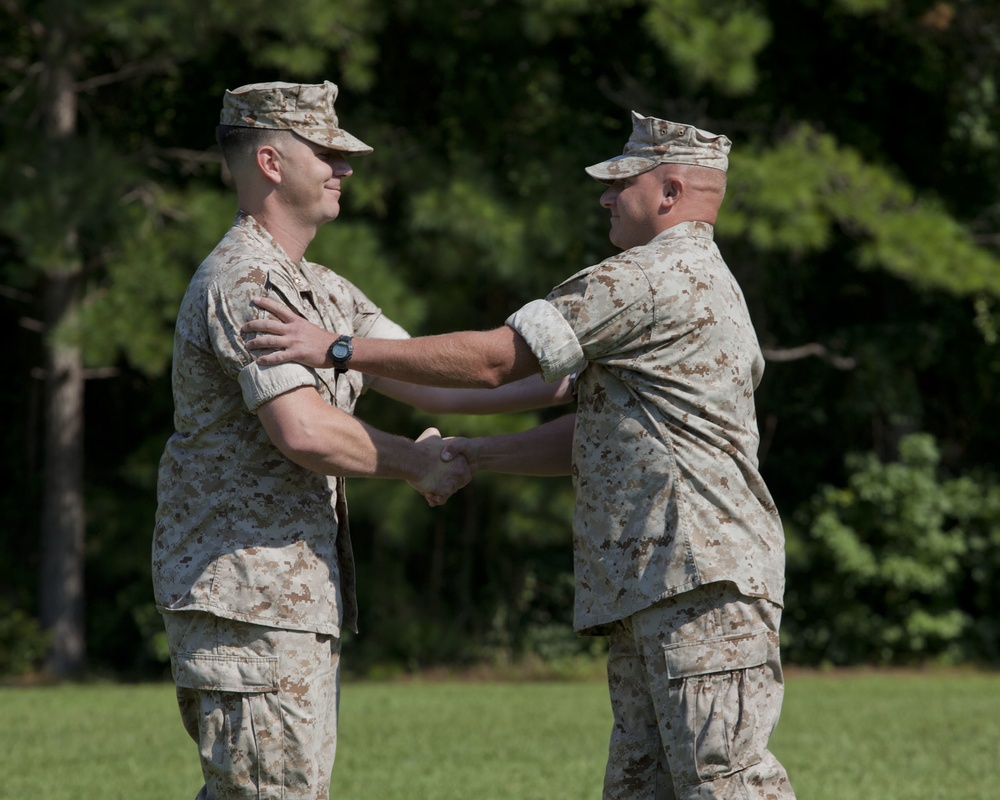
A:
{"x":241,"y":531}
{"x":668,"y":493}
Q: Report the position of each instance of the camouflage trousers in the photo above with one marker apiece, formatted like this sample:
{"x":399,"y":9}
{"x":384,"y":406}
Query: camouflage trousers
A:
{"x":696,"y":690}
{"x":260,"y":702}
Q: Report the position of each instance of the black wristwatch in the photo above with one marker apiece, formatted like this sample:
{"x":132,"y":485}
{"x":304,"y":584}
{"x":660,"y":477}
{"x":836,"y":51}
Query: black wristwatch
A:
{"x":341,"y":351}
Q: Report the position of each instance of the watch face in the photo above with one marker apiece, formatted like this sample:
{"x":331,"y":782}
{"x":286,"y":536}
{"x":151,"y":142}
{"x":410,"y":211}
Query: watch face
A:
{"x":340,"y":351}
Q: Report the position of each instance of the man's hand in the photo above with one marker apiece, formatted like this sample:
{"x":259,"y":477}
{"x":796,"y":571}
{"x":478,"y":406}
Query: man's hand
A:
{"x":459,"y":447}
{"x":291,"y":337}
{"x":447,"y":476}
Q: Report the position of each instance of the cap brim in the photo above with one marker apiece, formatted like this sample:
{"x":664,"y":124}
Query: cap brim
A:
{"x":335,"y":139}
{"x":620,"y":167}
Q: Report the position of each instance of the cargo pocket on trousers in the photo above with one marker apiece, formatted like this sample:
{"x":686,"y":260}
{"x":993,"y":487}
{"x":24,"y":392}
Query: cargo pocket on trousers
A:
{"x":717,"y":687}
{"x":222,"y":673}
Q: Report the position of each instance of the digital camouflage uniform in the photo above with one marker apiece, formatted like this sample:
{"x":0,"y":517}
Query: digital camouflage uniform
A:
{"x":252,"y":563}
{"x":678,"y":547}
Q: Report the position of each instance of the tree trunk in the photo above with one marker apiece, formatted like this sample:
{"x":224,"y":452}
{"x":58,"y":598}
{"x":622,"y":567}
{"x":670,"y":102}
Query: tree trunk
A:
{"x":61,"y":593}
{"x":61,"y":601}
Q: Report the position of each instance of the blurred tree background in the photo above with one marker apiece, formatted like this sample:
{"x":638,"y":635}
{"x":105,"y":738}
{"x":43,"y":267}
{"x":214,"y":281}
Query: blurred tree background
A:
{"x":861,"y":220}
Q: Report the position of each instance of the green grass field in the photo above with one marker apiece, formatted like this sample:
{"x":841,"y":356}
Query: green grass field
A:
{"x":844,"y":736}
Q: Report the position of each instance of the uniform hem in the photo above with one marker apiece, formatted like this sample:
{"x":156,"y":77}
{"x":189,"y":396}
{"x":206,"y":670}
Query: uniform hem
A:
{"x":603,"y":624}
{"x":269,"y":622}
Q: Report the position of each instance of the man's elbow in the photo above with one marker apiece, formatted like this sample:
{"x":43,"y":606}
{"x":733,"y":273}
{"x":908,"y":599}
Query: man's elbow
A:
{"x":299,"y":447}
{"x":295,"y":438}
{"x":503,"y":371}
{"x":492,"y":377}
{"x":484,"y":375}
{"x":491,"y":359}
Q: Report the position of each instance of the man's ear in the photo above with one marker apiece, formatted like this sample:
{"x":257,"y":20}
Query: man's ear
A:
{"x":269,"y":163}
{"x":672,"y":190}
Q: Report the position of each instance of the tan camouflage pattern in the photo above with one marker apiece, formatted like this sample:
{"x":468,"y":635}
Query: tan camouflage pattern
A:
{"x":658,"y":141}
{"x":668,"y":493}
{"x":702,"y":671}
{"x":306,"y":109}
{"x":241,"y":531}
{"x":237,"y":705}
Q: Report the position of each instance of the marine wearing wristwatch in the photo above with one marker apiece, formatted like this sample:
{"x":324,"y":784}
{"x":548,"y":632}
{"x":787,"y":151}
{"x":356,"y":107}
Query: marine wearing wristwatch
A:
{"x":340,"y":352}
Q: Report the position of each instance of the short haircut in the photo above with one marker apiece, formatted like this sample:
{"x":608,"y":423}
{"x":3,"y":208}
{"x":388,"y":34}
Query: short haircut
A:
{"x":699,"y":178}
{"x":239,"y":145}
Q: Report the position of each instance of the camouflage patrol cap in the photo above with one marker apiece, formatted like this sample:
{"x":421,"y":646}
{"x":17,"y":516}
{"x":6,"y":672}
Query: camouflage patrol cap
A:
{"x":306,"y":109}
{"x":657,"y":141}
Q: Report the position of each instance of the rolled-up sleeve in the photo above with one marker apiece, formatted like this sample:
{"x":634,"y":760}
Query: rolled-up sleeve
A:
{"x":260,"y":384}
{"x":550,"y":337}
{"x":384,"y":328}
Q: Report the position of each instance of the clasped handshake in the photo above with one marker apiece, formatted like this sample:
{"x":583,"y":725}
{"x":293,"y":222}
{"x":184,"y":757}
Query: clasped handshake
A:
{"x":448,"y":466}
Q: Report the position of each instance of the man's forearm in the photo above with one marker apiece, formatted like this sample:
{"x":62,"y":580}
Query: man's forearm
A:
{"x":467,"y":359}
{"x":323,"y":439}
{"x":464,"y":360}
{"x":326,"y":440}
{"x":545,"y":451}
{"x":523,"y":395}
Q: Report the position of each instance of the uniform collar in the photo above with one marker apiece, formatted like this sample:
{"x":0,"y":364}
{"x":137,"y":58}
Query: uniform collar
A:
{"x":701,"y":230}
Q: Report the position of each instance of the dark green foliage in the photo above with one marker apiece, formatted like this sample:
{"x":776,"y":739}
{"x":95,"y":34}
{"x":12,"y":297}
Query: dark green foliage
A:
{"x":22,"y":644}
{"x":899,"y":565}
